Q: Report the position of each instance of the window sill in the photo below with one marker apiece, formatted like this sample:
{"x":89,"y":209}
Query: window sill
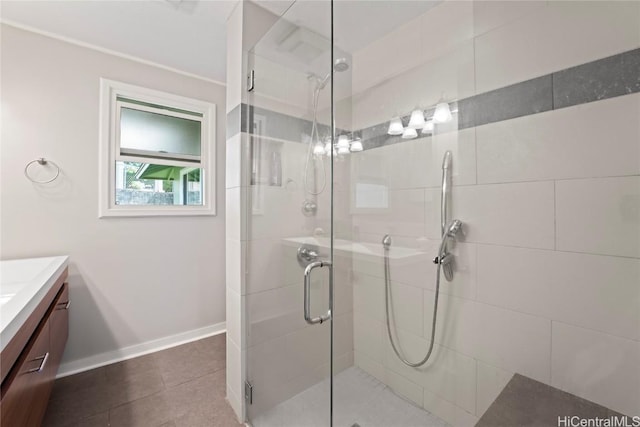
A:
{"x":145,"y":211}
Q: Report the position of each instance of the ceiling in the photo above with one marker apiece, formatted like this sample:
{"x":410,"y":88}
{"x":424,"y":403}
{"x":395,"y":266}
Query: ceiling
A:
{"x":187,"y":35}
{"x":190,"y":35}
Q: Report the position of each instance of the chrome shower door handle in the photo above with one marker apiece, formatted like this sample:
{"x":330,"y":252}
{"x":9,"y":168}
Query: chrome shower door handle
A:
{"x":307,"y":292}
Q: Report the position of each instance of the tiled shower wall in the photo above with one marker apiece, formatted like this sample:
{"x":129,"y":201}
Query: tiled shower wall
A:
{"x":548,"y":270}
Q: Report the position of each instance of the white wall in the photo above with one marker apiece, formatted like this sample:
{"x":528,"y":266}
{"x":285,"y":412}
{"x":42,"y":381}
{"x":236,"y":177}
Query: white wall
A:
{"x":548,"y":269}
{"x":133,"y":280}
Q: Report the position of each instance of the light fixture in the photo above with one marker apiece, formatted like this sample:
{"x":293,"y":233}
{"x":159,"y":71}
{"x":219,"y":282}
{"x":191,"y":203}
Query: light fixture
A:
{"x":356,"y":145}
{"x":428,"y":127}
{"x":442,"y":114}
{"x":318,"y":149}
{"x":327,"y":148}
{"x":409,"y":133}
{"x":395,"y":126}
{"x":343,"y":142}
{"x":343,"y":150}
{"x":417,"y":119}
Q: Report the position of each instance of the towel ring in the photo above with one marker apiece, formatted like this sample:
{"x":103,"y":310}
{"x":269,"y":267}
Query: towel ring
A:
{"x":41,"y":161}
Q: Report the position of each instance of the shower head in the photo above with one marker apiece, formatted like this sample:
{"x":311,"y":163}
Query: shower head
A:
{"x":446,"y":161}
{"x":386,"y":241}
{"x":453,"y":228}
{"x":339,"y":66}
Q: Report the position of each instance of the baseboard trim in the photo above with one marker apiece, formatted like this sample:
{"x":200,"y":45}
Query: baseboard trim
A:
{"x":107,"y":358}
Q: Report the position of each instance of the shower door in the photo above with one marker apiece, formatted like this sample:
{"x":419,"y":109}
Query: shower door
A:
{"x":288,"y":358}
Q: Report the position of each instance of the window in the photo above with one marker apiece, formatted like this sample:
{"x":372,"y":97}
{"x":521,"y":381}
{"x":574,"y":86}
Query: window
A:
{"x":157,"y":153}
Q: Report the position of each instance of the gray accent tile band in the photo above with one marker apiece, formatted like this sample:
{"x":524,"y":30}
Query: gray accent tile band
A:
{"x":605,"y":78}
{"x":233,"y":121}
{"x":609,"y":77}
{"x":521,"y":99}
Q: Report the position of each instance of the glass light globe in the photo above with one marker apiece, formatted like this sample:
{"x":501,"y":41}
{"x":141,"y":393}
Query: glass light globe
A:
{"x":343,"y":142}
{"x":395,"y":126}
{"x":318,"y":149}
{"x":428,"y":127}
{"x":409,"y":133}
{"x":417,"y":119}
{"x":356,"y":145}
{"x":442,"y":113}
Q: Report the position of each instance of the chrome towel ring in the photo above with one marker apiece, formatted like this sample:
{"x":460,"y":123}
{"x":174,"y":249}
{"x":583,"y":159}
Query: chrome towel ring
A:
{"x":41,"y":161}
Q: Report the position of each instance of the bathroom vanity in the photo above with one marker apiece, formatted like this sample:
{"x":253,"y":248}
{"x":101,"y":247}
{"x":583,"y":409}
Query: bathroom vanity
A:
{"x":34,"y":319}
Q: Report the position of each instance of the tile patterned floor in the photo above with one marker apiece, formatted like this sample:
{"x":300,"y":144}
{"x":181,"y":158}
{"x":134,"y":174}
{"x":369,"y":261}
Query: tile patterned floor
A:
{"x":182,"y":386}
{"x":359,"y":399}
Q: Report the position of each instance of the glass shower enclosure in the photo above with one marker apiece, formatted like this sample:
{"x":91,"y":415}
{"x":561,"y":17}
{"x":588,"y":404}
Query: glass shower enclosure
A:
{"x":372,"y":125}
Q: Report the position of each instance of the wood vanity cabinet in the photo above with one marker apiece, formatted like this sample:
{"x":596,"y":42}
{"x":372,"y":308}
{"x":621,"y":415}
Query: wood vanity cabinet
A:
{"x":27,"y":385}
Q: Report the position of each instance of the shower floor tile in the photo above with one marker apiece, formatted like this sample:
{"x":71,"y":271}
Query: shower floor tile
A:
{"x":360,"y":400}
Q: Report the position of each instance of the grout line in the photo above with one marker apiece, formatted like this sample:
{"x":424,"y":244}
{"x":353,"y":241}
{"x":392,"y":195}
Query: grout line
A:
{"x":541,"y":180}
{"x":555,"y":217}
{"x":551,"y":352}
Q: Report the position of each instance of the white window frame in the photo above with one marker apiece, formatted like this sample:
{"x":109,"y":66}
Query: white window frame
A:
{"x":110,"y":107}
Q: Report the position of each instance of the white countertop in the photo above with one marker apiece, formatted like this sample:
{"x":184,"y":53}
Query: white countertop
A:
{"x":23,"y":284}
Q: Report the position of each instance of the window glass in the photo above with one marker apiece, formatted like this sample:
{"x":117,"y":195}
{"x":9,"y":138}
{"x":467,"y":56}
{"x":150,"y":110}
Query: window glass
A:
{"x":160,"y":185}
{"x":158,"y":133}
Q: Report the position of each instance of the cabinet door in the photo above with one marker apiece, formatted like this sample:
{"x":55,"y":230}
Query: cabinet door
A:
{"x":24,"y":399}
{"x":59,"y":321}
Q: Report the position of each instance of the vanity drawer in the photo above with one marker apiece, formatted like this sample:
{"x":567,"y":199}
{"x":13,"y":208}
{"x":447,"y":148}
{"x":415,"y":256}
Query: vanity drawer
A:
{"x":24,"y":398}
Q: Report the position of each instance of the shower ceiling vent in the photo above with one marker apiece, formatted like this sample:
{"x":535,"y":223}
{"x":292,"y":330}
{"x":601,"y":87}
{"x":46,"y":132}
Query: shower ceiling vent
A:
{"x":303,"y":44}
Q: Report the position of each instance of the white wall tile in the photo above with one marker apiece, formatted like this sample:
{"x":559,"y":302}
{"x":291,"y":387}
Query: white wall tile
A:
{"x":449,"y":77}
{"x":307,"y":349}
{"x":507,"y":214}
{"x":516,"y":278}
{"x":448,"y":374}
{"x":235,"y":378}
{"x":597,"y":367}
{"x":235,"y":255}
{"x":371,"y":64}
{"x":273,"y":313}
{"x":515,"y":341}
{"x":367,"y":338}
{"x":445,"y":27}
{"x":368,"y":296}
{"x":235,"y":312}
{"x":562,"y":35}
{"x":343,"y":334}
{"x":597,"y":292}
{"x":592,"y":291}
{"x":405,"y":305}
{"x":234,"y":58}
{"x":491,"y":382}
{"x":237,"y":163}
{"x":418,"y":163}
{"x":565,"y":143}
{"x":404,"y":215}
{"x":600,"y":216}
{"x":488,"y":15}
{"x":404,"y":387}
{"x":373,"y":368}
{"x":265,"y":263}
{"x":235,"y":217}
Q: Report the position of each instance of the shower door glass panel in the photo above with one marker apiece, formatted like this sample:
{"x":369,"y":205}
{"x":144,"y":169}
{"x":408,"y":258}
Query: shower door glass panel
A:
{"x":390,"y":186}
{"x":289,"y":219}
{"x":538,"y":105}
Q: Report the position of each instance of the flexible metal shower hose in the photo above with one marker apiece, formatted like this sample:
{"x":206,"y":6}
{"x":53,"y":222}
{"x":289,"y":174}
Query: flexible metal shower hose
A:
{"x":387,"y":298}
